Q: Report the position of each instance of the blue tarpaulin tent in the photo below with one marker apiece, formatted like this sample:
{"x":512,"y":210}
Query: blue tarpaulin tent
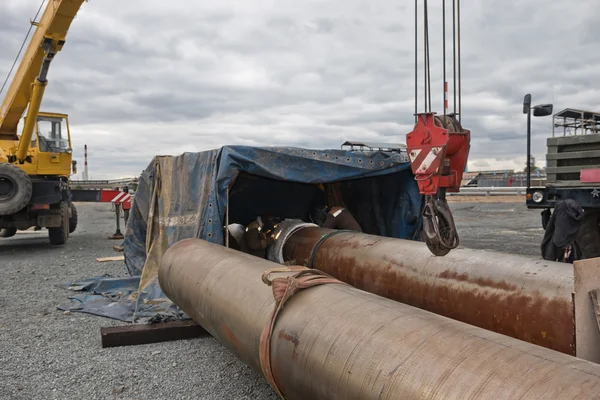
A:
{"x":198,"y":194}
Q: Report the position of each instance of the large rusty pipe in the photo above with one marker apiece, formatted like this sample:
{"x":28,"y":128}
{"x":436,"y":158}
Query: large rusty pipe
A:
{"x":517,"y":296}
{"x":337,"y":342}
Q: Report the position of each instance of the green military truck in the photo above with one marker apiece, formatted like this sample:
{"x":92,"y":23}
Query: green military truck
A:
{"x":573,"y":174}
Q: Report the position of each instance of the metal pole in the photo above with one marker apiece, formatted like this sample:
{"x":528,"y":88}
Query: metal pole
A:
{"x":118,"y":234}
{"x":504,"y":293}
{"x":336,"y":342}
{"x":118,"y":213}
{"x":529,"y":148}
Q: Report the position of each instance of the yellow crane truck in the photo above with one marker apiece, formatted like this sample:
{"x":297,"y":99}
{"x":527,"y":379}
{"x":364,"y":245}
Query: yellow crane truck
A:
{"x":35,"y":164}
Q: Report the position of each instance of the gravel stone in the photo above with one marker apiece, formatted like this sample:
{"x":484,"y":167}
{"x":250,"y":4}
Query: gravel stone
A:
{"x":50,"y":354}
{"x":508,"y":227}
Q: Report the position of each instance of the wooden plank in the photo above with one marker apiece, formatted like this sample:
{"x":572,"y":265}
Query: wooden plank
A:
{"x":587,"y":334}
{"x":132,"y":335}
{"x":114,"y":258}
{"x":118,"y":249}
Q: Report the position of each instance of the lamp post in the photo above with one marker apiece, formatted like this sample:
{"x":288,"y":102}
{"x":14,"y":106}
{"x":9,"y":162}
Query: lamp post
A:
{"x":541,"y":110}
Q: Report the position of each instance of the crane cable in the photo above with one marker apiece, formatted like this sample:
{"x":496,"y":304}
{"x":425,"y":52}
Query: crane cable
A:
{"x":427,"y":58}
{"x":22,"y":45}
{"x":456,"y":59}
{"x":438,"y":224}
{"x":454,"y":54}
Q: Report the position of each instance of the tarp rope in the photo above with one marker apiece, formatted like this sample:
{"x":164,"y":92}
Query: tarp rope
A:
{"x":283,"y":289}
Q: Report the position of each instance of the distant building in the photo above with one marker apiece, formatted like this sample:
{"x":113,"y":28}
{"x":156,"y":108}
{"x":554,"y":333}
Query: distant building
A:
{"x":503,"y":178}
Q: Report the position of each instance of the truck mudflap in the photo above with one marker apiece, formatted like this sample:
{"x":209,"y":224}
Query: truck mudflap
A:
{"x":587,"y":197}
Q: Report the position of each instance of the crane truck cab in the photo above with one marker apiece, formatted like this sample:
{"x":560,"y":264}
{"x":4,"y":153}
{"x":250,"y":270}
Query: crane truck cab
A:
{"x":36,"y":193}
{"x":36,"y":160}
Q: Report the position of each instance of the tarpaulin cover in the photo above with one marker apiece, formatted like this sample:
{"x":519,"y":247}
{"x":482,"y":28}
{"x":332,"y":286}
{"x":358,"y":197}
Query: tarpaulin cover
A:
{"x":187,"y":196}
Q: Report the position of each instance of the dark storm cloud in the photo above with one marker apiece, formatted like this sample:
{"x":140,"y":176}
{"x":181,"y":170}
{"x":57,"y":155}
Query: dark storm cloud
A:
{"x":141,"y":78}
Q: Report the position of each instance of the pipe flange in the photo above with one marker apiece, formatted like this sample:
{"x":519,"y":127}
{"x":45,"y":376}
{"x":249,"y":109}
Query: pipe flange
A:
{"x":284,"y":230}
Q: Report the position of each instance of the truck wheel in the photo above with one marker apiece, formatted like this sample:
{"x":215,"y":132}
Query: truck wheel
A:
{"x":588,"y":237}
{"x":59,"y":236}
{"x":73,"y":219}
{"x":8,"y":232}
{"x":15,"y":189}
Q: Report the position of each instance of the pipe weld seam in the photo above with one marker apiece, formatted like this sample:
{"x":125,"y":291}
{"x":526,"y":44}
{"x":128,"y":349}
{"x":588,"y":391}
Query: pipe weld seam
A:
{"x":313,"y":253}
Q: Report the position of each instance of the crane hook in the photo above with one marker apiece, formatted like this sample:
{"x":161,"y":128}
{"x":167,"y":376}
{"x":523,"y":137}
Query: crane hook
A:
{"x":438,"y":226}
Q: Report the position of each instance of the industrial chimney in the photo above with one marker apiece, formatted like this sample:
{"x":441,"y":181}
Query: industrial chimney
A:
{"x":85,"y":167}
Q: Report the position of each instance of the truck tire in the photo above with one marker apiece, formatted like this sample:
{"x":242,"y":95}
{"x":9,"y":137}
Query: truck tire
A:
{"x":15,"y":189}
{"x":8,"y":232}
{"x":58,"y":236}
{"x":588,"y":237}
{"x":73,"y":219}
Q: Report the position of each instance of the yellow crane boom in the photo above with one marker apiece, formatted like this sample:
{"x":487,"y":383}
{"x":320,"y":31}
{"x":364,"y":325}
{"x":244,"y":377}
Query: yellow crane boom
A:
{"x":27,"y":87}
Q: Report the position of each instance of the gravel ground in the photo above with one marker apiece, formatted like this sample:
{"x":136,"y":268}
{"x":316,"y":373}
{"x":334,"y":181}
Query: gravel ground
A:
{"x":507,"y":227}
{"x":48,"y":354}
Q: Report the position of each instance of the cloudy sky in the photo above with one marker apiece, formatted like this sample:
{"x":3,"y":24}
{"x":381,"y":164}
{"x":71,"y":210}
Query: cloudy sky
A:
{"x":140,"y":78}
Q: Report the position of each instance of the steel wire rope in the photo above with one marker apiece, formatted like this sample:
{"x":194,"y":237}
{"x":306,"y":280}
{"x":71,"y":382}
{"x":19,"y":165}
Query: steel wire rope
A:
{"x":21,"y":49}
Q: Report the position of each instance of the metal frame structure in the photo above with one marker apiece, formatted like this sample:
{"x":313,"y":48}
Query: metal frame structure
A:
{"x":363,"y":146}
{"x":572,"y":121}
{"x":569,"y":155}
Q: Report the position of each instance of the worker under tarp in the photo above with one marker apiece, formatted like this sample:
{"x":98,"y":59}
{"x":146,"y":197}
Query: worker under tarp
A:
{"x":186,"y":196}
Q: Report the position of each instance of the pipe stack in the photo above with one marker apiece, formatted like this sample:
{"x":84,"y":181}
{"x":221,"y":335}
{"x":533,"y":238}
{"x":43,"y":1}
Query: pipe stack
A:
{"x":520,"y":297}
{"x":337,"y":342}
